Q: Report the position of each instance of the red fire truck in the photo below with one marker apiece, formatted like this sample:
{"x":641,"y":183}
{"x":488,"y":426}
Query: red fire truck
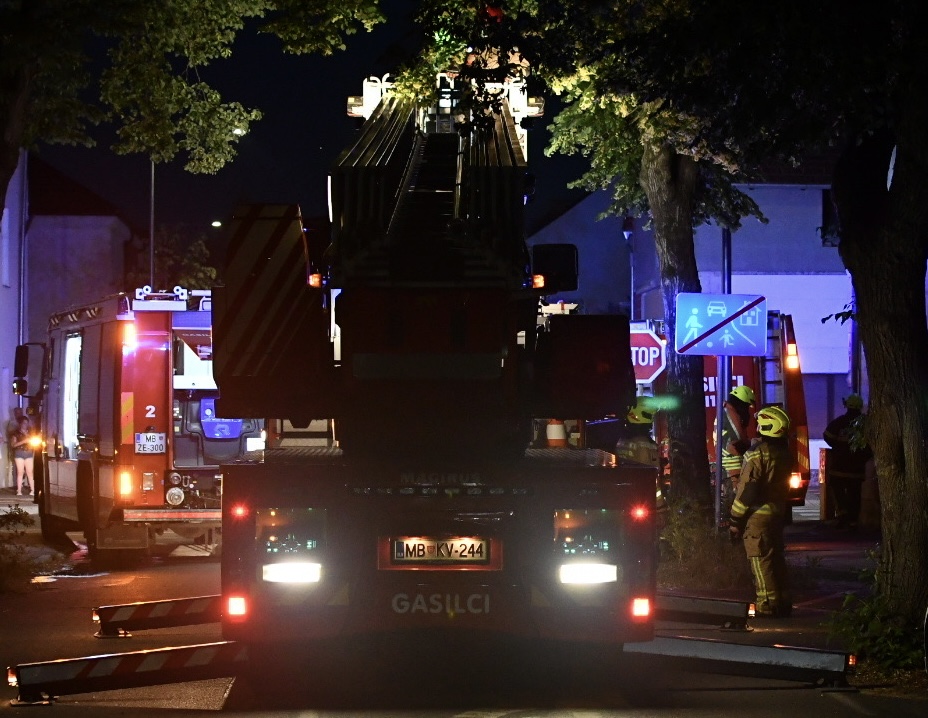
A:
{"x":131,"y":438}
{"x":417,"y":333}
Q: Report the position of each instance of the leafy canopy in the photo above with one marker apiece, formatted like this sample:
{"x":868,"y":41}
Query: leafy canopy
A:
{"x":66,"y":65}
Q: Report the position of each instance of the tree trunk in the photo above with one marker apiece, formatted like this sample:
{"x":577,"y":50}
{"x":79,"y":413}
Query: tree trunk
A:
{"x":669,"y":181}
{"x":884,"y":245}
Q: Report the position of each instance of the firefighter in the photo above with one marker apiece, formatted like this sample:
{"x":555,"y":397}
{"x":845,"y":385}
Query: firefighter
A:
{"x":757,"y":514}
{"x":847,"y":464}
{"x":637,"y":442}
{"x":736,"y":415}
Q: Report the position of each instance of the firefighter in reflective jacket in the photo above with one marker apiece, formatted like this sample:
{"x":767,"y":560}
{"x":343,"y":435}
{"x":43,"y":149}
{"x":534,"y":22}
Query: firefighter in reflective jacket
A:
{"x":757,"y":513}
{"x":735,"y":441}
{"x":637,"y":443}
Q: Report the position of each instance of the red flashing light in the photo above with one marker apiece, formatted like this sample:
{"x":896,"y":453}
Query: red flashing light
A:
{"x":239,"y":511}
{"x":792,"y":357}
{"x":640,"y":512}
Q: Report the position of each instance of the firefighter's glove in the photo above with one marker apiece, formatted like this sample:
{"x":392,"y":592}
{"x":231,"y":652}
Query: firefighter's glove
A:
{"x":736,"y":528}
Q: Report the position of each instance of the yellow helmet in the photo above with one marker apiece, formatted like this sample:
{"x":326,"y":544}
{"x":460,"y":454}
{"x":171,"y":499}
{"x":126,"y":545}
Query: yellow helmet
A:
{"x":854,"y":401}
{"x":640,"y":413}
{"x":772,"y":421}
{"x":744,"y":393}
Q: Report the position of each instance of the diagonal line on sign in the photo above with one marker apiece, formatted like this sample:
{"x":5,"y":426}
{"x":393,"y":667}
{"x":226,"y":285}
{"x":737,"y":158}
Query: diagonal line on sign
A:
{"x":727,"y":320}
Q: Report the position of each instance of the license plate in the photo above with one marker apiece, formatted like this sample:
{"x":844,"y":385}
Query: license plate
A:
{"x":459,"y":549}
{"x":151,"y":443}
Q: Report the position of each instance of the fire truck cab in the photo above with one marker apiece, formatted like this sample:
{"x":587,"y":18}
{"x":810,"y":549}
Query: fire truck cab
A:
{"x":125,"y":403}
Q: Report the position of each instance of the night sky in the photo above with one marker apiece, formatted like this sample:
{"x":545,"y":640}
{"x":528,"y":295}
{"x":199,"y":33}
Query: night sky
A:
{"x":286,"y":156}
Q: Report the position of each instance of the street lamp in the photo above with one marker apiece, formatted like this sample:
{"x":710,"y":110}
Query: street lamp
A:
{"x":628,"y":230}
{"x":151,"y":231}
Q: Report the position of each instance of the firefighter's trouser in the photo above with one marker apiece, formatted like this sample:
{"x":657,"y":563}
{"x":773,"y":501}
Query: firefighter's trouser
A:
{"x":763,"y":544}
{"x":845,"y":491}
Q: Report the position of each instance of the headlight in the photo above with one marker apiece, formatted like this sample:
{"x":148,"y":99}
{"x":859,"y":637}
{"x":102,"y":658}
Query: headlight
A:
{"x":586,"y":542}
{"x":292,"y":572}
{"x":174,"y":496}
{"x":586,"y":573}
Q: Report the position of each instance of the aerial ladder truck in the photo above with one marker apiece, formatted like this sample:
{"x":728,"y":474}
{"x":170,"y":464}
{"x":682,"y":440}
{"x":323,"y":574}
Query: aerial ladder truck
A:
{"x":414,"y":328}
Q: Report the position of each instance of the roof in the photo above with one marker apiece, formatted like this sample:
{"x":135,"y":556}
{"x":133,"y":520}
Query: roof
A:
{"x":52,"y":193}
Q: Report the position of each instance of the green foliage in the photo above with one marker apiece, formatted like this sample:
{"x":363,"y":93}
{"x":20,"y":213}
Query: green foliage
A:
{"x":17,"y":564}
{"x":848,"y":313}
{"x":69,"y":64}
{"x":695,"y":556}
{"x":182,"y":258}
{"x":870,"y":629}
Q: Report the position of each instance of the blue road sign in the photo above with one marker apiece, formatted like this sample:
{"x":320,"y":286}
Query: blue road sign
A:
{"x":721,"y":324}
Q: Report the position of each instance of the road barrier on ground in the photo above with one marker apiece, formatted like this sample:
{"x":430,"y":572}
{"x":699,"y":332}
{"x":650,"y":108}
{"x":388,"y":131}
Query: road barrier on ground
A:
{"x":117,"y":621}
{"x":731,"y":615}
{"x":808,"y":665}
{"x":41,"y":683}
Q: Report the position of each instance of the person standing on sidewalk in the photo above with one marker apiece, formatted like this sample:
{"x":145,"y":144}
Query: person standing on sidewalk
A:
{"x":23,"y":456}
{"x":757,"y":514}
{"x":11,"y":429}
{"x":847,"y":463}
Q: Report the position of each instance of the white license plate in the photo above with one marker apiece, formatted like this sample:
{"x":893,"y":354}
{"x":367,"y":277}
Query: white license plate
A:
{"x":151,"y":443}
{"x":460,"y":549}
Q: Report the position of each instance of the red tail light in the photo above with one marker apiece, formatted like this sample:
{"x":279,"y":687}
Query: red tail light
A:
{"x":239,"y":511}
{"x":640,"y":512}
{"x":236,"y":607}
{"x":641,"y":607}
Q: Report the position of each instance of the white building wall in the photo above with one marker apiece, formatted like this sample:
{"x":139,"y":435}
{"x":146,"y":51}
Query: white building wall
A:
{"x":71,"y":261}
{"x":11,"y":230}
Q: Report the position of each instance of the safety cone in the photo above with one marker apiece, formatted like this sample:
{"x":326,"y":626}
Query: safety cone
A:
{"x":556,"y":433}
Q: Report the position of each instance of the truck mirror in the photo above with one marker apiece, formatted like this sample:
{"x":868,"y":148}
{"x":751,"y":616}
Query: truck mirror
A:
{"x":558,"y":264}
{"x":27,"y":369}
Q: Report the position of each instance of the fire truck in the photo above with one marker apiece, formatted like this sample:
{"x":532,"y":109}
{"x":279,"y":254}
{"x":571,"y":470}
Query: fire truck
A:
{"x":131,"y":438}
{"x":414,"y":332}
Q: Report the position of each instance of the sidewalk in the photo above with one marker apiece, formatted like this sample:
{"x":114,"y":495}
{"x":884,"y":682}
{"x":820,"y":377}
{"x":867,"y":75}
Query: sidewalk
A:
{"x":8,"y":499}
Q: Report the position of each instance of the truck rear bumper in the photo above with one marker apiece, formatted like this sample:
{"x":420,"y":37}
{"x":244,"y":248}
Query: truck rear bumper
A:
{"x":488,"y":610}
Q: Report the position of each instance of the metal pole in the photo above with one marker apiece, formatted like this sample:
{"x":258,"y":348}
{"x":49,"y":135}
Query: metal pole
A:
{"x":631,"y":271}
{"x":723,"y":382}
{"x":151,"y":232}
{"x":628,"y":231}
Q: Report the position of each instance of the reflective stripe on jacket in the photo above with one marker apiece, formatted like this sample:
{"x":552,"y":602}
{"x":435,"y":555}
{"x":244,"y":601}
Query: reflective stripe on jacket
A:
{"x":764,"y":484}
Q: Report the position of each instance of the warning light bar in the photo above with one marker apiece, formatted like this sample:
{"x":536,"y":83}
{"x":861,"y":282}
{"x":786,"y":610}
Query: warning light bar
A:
{"x":792,"y":357}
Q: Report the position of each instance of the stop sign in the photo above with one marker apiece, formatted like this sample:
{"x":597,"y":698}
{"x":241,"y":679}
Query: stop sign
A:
{"x":648,"y":356}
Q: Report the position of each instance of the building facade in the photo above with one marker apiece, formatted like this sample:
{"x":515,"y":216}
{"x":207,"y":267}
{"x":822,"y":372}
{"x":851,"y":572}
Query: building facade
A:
{"x":785,"y":260}
{"x":60,"y":245}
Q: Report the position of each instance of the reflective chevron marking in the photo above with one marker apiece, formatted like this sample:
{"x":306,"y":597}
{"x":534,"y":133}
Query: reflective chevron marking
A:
{"x":116,"y":621}
{"x":42,"y":682}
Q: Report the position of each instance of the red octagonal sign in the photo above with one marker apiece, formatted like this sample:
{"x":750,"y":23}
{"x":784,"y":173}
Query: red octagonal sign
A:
{"x":648,"y":356}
